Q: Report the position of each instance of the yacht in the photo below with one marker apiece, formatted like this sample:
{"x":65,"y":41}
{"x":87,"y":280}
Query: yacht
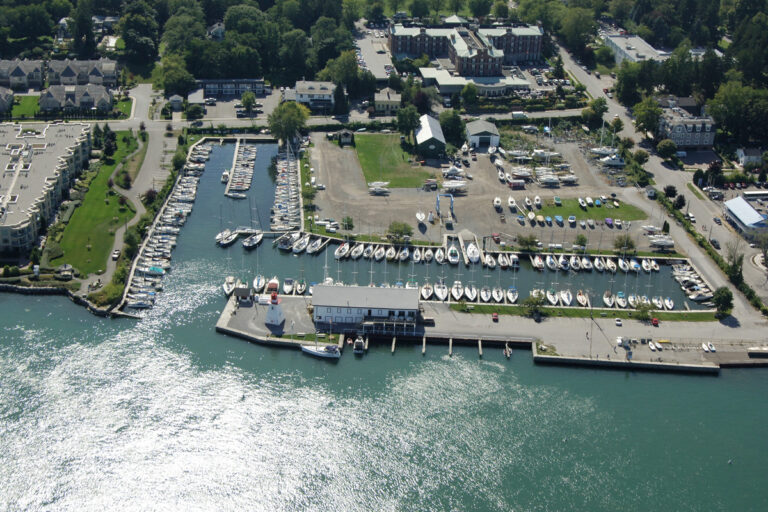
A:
{"x":457,"y":290}
{"x":453,"y":255}
{"x":512,"y":294}
{"x":273,"y":285}
{"x":322,"y":351}
{"x":582,"y":203}
{"x":485,"y":294}
{"x":608,"y":299}
{"x":441,"y":291}
{"x":566,"y":297}
{"x":426,"y":291}
{"x":473,"y":253}
{"x":470,"y":292}
{"x":428,"y":255}
{"x":590,"y":203}
{"x":229,"y":285}
{"x":258,"y":283}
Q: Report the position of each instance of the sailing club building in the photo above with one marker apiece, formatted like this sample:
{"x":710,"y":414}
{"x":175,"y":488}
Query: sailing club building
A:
{"x":354,"y":305}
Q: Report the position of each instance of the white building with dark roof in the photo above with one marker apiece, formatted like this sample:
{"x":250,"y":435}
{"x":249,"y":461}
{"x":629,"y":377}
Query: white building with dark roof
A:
{"x":315,"y":95}
{"x":352,"y":305}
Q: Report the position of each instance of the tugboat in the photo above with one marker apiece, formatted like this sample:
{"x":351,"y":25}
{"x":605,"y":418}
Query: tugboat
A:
{"x":358,"y":348}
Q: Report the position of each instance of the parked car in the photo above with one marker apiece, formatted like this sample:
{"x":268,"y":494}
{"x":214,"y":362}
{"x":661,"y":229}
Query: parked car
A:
{"x":715,"y":243}
{"x":115,"y":254}
{"x":717,"y":220}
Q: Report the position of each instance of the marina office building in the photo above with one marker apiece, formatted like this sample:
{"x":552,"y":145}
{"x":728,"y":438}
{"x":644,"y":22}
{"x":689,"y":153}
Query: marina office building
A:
{"x":741,"y":215}
{"x":353,"y":305}
{"x":39,"y":165}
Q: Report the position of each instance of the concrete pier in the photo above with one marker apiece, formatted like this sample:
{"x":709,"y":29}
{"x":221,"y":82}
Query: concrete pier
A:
{"x":480,"y":347}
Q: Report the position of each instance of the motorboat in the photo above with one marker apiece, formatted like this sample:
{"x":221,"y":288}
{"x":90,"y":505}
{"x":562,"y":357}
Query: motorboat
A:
{"x":514,"y":260}
{"x":485,"y":294}
{"x":229,"y":285}
{"x":457,"y":290}
{"x":512,"y":294}
{"x":428,"y":255}
{"x":497,"y":294}
{"x":288,"y":285}
{"x":598,"y":264}
{"x":669,"y":303}
{"x":258,"y":283}
{"x":473,"y":253}
{"x":562,"y":262}
{"x":502,"y":176}
{"x":700,"y":296}
{"x":551,"y":262}
{"x":300,"y":287}
{"x":553,"y":297}
{"x":623,"y":265}
{"x":225,"y":176}
{"x":411,"y":285}
{"x":301,"y":244}
{"x":705,"y":347}
{"x":548,"y":220}
{"x":528,"y":203}
{"x":391,"y":253}
{"x":537,"y":201}
{"x":572,"y":220}
{"x":420,"y":216}
{"x":491,"y":150}
{"x":426,"y":291}
{"x":253,"y":240}
{"x":608,"y":299}
{"x":404,"y":254}
{"x":453,"y":255}
{"x":322,"y":351}
{"x":617,"y":223}
{"x":341,"y":251}
{"x":358,"y":347}
{"x":470,"y":292}
{"x":416,"y":257}
{"x":273,"y":285}
{"x":538,"y":262}
{"x":440,"y":256}
{"x":286,"y":241}
{"x":586,"y":264}
{"x":582,"y":203}
{"x":566,"y":297}
{"x":711,"y":347}
{"x":575,"y":262}
{"x":590,"y":202}
{"x":379,"y":253}
{"x":634,"y":265}
{"x":583,"y":224}
{"x":357,"y":251}
{"x":658,"y":302}
{"x":581,"y":299}
{"x":368,"y":252}
{"x":490,"y":261}
{"x":441,"y":291}
{"x":621,"y":300}
{"x":512,"y":204}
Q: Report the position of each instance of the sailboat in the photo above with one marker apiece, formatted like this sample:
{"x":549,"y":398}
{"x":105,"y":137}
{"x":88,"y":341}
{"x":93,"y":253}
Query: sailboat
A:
{"x":426,"y":291}
{"x":581,"y":298}
{"x":575,"y":262}
{"x":586,"y":264}
{"x":357,"y":251}
{"x":441,"y":290}
{"x":610,"y":265}
{"x":427,"y":256}
{"x":439,"y":255}
{"x":511,"y":203}
{"x":608,"y":299}
{"x":416,"y":257}
{"x":229,"y":285}
{"x":368,"y":252}
{"x":598,"y":264}
{"x":621,"y":301}
{"x":420,"y":216}
{"x":473,"y":253}
{"x":490,"y":261}
{"x":512,"y":294}
{"x":457,"y":290}
{"x":497,"y":294}
{"x":485,"y":294}
{"x":379,"y":253}
{"x":551,"y":262}
{"x":322,"y":351}
{"x":453,"y":255}
{"x":566,"y":297}
{"x":258,"y":283}
{"x":252,"y":241}
{"x":553,"y":297}
{"x":470,"y":291}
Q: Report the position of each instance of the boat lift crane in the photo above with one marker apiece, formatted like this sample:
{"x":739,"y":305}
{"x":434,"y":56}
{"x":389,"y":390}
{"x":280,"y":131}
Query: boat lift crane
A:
{"x":450,"y":196}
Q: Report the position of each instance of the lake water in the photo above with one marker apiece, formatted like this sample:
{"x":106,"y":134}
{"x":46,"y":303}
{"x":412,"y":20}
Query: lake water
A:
{"x":163,"y":413}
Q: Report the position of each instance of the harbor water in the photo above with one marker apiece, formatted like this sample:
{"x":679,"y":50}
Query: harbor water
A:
{"x":163,"y":413}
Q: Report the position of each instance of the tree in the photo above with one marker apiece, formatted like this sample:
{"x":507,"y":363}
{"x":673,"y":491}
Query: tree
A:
{"x":81,"y":27}
{"x":347,"y":223}
{"x":139,"y":30}
{"x":501,"y":10}
{"x":734,"y":256}
{"x":666,"y":148}
{"x":604,"y":56}
{"x":399,"y":230}
{"x":643,"y":312}
{"x":665,"y":227}
{"x":647,"y":115}
{"x":480,"y":8}
{"x":293,"y":54}
{"x":532,"y":305}
{"x":527,"y":242}
{"x":627,"y":83}
{"x":419,"y":8}
{"x":407,"y":120}
{"x":679,"y":202}
{"x":195,"y":112}
{"x":248,"y":99}
{"x":577,"y":28}
{"x":723,"y":300}
{"x":287,"y":119}
{"x":453,"y":127}
{"x":641,"y":156}
{"x":186,"y":25}
{"x":178,"y":160}
{"x":617,"y":124}
{"x":455,"y":5}
{"x":761,"y":239}
{"x":670,"y":191}
{"x":436,"y":5}
{"x":469,"y":94}
{"x":34,"y":255}
{"x":340,"y":106}
{"x":374,"y":12}
{"x":580,"y":240}
{"x":624,"y":243}
{"x":176,"y":78}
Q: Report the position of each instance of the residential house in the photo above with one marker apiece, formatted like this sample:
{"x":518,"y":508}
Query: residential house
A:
{"x":387,"y":102}
{"x":76,"y":97}
{"x":482,"y":133}
{"x":104,"y":24}
{"x":747,"y":156}
{"x":6,"y":100}
{"x":685,"y":126}
{"x":80,"y":72}
{"x":62,"y":28}
{"x":21,"y":74}
{"x":430,"y":141}
{"x":315,"y":95}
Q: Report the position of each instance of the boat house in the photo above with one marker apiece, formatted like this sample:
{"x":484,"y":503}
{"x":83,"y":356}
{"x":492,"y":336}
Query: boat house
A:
{"x":741,"y":215}
{"x":353,"y":305}
{"x":482,"y":133}
{"x":430,"y":141}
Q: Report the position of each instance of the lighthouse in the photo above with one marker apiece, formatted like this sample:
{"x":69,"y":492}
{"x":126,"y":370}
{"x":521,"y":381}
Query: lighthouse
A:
{"x":275,"y":314}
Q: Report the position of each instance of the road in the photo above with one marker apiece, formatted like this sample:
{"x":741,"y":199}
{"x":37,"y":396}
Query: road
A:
{"x":703,"y":209}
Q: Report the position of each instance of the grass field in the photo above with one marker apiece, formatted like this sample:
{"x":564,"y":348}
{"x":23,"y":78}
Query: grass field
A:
{"x":573,"y":312}
{"x":571,"y":207}
{"x":26,"y":107}
{"x":382,"y":159}
{"x":133,"y":165}
{"x":124,"y":106}
{"x":695,"y":190}
{"x":87,"y":240}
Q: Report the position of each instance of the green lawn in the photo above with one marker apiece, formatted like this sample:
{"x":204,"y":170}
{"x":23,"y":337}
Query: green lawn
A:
{"x":382,"y":159}
{"x":574,"y":312}
{"x":26,"y":107}
{"x":571,"y":207}
{"x":124,"y":106}
{"x":87,"y":240}
{"x":695,"y":190}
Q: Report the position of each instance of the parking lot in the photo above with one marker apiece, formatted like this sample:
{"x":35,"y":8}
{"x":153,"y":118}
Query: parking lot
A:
{"x":373,"y":53}
{"x":227,"y":109}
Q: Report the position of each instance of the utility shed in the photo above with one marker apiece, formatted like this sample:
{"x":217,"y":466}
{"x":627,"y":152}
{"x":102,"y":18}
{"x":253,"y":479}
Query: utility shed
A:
{"x":430,"y":141}
{"x":482,"y":133}
{"x":355,"y":304}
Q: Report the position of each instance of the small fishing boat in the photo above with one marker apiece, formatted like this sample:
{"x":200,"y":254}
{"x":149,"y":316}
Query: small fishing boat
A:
{"x":531,"y":217}
{"x":273,"y":285}
{"x":652,"y":346}
{"x":427,"y":291}
{"x":590,"y":203}
{"x":711,"y":347}
{"x":512,"y":294}
{"x":558,"y":201}
{"x":507,"y":351}
{"x":457,"y":290}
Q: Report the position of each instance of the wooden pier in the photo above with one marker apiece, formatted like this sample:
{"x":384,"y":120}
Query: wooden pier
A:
{"x":232,"y":167}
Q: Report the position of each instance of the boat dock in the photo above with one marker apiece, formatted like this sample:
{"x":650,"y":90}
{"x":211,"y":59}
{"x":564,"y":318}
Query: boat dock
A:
{"x":232,"y":167}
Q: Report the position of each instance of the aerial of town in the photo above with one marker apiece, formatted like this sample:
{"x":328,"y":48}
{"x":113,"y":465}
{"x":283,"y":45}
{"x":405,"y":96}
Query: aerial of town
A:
{"x":584,"y":181}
